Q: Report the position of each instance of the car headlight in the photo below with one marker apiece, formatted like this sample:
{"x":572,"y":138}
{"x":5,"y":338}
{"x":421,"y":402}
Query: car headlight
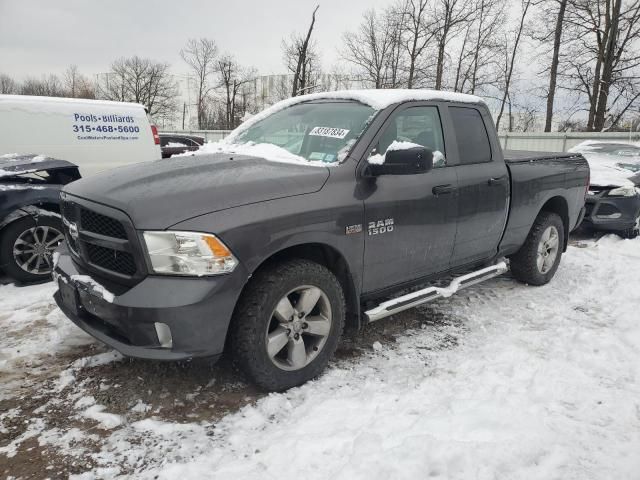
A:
{"x":188,"y":253}
{"x":627,"y":191}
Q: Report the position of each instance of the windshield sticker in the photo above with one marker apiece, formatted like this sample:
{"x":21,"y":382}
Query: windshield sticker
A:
{"x":329,"y":132}
{"x":316,"y":156}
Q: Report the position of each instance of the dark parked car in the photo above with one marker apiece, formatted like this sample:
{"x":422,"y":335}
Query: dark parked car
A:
{"x":613,"y":203}
{"x":173,"y":144}
{"x":30,"y":224}
{"x":320,"y":212}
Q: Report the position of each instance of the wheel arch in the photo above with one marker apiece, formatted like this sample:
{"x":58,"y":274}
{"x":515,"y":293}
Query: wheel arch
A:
{"x":560,"y":207}
{"x":30,"y":210}
{"x":333,"y":260}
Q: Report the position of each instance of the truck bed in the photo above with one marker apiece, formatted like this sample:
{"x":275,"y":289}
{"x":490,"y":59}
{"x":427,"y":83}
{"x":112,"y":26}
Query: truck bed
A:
{"x":535,"y":177}
{"x":518,"y":156}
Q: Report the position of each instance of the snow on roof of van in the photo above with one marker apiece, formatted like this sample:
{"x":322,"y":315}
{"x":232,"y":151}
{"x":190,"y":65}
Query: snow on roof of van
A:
{"x":32,"y":99}
{"x":377,"y":99}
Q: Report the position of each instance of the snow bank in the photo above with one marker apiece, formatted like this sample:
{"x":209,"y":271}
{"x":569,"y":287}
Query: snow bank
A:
{"x":513,"y":382}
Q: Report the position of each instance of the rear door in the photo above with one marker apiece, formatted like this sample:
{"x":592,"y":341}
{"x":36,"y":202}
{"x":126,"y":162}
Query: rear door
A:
{"x":410,"y":220}
{"x":483,"y":186}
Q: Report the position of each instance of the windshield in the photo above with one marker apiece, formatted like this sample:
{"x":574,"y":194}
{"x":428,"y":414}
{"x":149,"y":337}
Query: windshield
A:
{"x":314,"y":131}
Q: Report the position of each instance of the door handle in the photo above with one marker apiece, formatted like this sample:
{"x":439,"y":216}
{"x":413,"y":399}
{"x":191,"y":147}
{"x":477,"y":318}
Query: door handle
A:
{"x":493,"y":181}
{"x":443,"y":189}
{"x":497,"y":180}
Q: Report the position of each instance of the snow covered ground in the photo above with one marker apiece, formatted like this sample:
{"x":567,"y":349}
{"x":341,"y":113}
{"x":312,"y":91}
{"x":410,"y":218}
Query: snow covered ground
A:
{"x":503,"y":381}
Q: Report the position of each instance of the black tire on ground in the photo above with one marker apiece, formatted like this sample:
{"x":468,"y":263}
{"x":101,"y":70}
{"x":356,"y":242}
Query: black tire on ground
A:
{"x":8,"y":238}
{"x":525,"y":262}
{"x":254,"y":318}
{"x":634,"y":231}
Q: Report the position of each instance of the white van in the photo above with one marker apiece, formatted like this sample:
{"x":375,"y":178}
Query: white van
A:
{"x":96,"y":135}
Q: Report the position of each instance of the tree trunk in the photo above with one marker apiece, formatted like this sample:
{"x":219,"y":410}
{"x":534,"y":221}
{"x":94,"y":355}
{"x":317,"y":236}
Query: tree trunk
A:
{"x":302,"y":56}
{"x":607,"y":67}
{"x":440,"y":65}
{"x":511,"y":63}
{"x":553,"y":74}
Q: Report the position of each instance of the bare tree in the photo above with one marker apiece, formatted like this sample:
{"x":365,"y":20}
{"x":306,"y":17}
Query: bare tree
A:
{"x":451,"y":17}
{"x":487,"y":48}
{"x":301,"y":59}
{"x":71,"y":80}
{"x":232,"y":78}
{"x":510,"y":57}
{"x":555,"y":60}
{"x":47,"y":86}
{"x":76,"y":84}
{"x":418,"y":32}
{"x":144,"y":81}
{"x":8,"y":85}
{"x":373,"y":49}
{"x":605,"y":59}
{"x":200,"y":54}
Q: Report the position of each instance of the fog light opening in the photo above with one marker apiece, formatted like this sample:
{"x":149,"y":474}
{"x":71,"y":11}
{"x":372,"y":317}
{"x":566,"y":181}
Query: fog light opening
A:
{"x":610,"y":216}
{"x":164,"y":335}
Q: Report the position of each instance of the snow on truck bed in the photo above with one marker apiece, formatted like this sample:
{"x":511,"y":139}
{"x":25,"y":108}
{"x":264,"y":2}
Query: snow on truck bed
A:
{"x":503,"y":381}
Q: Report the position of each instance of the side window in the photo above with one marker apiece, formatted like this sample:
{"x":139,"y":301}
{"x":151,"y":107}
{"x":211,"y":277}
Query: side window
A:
{"x":414,"y":126}
{"x":471,"y":134}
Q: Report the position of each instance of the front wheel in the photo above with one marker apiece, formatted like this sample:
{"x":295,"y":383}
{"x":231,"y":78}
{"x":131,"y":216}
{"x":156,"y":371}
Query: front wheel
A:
{"x":287,"y":324}
{"x":27,"y":246}
{"x":537,"y":260}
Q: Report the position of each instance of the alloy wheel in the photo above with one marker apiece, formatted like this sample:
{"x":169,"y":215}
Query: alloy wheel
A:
{"x":33,"y":249}
{"x":299,"y":327}
{"x":548,"y":249}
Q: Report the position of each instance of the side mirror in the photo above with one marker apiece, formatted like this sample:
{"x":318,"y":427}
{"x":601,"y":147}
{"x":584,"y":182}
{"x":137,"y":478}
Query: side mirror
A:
{"x":409,"y":161}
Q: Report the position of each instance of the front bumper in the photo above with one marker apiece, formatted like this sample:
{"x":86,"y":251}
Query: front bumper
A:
{"x":196,"y":310}
{"x":611,"y":213}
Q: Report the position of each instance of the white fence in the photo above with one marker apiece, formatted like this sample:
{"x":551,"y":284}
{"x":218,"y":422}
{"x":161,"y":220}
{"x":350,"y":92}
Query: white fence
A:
{"x":542,"y":142}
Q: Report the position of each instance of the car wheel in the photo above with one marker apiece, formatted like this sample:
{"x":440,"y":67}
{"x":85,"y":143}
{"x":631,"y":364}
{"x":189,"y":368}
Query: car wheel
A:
{"x":633,"y":231}
{"x":537,"y":260}
{"x":27,"y":246}
{"x":287,"y":324}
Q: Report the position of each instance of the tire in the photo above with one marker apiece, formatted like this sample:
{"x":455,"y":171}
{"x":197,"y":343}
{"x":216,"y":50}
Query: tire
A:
{"x":263,"y":315}
{"x":526,"y":262}
{"x":634,"y":231}
{"x":43,"y":234}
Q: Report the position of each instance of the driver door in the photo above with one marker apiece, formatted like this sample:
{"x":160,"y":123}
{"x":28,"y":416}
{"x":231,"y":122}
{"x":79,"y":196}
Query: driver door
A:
{"x":410,"y":220}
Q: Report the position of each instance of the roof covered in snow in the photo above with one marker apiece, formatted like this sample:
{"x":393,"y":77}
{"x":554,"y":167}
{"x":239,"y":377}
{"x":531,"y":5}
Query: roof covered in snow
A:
{"x":31,"y":99}
{"x":376,"y":99}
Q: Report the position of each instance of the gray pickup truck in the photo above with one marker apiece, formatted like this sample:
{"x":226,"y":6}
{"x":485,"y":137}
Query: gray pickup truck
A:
{"x":326,"y":210}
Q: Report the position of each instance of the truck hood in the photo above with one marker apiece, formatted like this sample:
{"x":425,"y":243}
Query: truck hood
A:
{"x":159,"y":194}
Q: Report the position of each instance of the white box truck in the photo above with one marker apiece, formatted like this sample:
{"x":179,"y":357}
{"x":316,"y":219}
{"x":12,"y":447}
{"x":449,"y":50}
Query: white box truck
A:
{"x":96,"y":135}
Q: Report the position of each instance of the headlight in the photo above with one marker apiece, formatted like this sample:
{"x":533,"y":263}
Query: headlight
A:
{"x":188,"y":253}
{"x":628,"y":191}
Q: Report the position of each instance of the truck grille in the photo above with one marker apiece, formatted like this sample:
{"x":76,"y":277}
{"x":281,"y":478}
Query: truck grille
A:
{"x":100,"y":241}
{"x":121,"y":262}
{"x":101,"y":224}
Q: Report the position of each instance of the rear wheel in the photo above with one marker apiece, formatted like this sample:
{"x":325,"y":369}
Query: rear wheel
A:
{"x":287,"y":324}
{"x":537,"y":260}
{"x":27,"y":246}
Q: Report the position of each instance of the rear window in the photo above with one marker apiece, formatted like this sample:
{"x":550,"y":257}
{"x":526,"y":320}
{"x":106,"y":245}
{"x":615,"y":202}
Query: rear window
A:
{"x":471,"y":134}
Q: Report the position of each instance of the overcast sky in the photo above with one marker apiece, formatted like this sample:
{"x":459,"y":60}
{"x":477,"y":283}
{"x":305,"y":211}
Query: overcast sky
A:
{"x":38,"y":36}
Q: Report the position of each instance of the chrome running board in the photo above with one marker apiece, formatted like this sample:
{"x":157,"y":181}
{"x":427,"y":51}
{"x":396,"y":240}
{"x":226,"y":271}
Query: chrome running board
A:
{"x":410,"y":300}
